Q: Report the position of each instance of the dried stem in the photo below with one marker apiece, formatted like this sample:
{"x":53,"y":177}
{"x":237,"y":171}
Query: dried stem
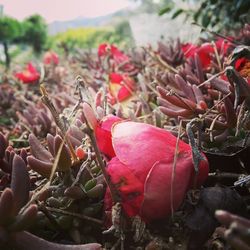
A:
{"x":113,"y":191}
{"x":80,"y":216}
{"x":211,"y":78}
{"x":61,"y":125}
{"x":224,"y":175}
{"x":47,"y":213}
{"x":174,"y":168}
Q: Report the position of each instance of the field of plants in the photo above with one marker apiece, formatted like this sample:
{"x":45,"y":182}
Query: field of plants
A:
{"x":144,"y":148}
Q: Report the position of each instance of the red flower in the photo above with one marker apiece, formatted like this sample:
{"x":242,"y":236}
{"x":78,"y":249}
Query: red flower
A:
{"x":29,"y":75}
{"x":242,"y":65}
{"x":223,"y":45}
{"x":204,"y":52}
{"x":115,"y":54}
{"x":120,"y":87}
{"x":50,"y":57}
{"x":189,"y":49}
{"x":141,"y":168}
{"x":105,"y":49}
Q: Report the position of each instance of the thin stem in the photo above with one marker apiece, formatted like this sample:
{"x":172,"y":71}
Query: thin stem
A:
{"x":224,"y":175}
{"x":58,"y":120}
{"x":113,"y":191}
{"x":211,"y":78}
{"x":174,"y":168}
{"x":80,"y":216}
{"x":47,"y":213}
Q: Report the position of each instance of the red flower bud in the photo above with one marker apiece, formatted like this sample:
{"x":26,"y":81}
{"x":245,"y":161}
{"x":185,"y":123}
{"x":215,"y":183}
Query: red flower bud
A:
{"x":80,"y":153}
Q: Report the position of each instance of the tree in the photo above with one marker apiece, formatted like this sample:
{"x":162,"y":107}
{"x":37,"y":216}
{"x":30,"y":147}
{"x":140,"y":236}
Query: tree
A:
{"x":217,"y":14}
{"x":153,"y":6}
{"x":10,"y":29}
{"x":35,"y":32}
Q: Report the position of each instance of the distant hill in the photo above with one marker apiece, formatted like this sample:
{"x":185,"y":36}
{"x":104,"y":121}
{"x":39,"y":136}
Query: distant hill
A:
{"x":61,"y":26}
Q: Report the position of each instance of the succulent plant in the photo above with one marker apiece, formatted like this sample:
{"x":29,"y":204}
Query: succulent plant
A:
{"x":180,"y":95}
{"x":7,"y":101}
{"x":236,"y":234}
{"x":17,"y":215}
{"x":171,"y":52}
{"x":7,"y":154}
{"x":215,"y":101}
{"x":37,"y":119}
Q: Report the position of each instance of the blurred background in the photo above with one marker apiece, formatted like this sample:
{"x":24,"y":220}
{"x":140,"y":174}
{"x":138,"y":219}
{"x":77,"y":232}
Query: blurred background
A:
{"x":28,"y":26}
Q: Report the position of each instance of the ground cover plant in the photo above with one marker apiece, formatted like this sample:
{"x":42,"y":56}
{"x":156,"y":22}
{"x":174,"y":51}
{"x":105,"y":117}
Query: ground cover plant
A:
{"x":143,"y":149}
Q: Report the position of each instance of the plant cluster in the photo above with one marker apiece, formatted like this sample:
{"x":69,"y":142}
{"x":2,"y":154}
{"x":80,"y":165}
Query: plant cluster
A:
{"x":127,"y":150}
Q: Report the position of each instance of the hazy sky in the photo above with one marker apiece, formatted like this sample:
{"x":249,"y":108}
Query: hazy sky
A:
{"x":53,"y":10}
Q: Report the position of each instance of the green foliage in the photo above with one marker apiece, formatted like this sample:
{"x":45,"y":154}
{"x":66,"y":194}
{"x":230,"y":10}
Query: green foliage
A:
{"x":32,"y":31}
{"x":216,"y":14}
{"x":153,"y":6}
{"x":88,"y":38}
{"x":122,"y":34}
{"x":35,"y":32}
{"x":10,"y":29}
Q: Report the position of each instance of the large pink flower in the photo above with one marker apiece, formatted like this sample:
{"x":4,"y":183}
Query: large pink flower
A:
{"x":29,"y":75}
{"x":142,"y":165}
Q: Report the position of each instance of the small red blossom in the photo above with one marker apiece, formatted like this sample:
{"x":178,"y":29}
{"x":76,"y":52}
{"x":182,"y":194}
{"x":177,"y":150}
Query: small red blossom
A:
{"x":121,"y":60}
{"x":204,"y":52}
{"x":142,"y":165}
{"x":120,"y":87}
{"x":105,"y":49}
{"x":80,"y":153}
{"x":189,"y":49}
{"x":242,"y":65}
{"x":29,"y":75}
{"x":223,"y":45}
{"x":50,"y":57}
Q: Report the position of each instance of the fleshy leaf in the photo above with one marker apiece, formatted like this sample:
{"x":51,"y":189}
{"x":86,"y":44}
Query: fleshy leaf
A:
{"x":6,"y":205}
{"x":38,"y":150}
{"x":20,"y":183}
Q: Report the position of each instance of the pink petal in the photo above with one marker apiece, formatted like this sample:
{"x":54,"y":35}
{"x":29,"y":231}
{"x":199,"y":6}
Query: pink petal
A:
{"x":102,"y":49}
{"x":239,"y":64}
{"x":31,"y":68}
{"x":123,"y":94}
{"x":189,"y":49}
{"x":128,"y":185}
{"x":157,"y":191}
{"x":204,"y":53}
{"x":140,"y":145}
{"x":103,"y":135}
{"x":115,"y":78}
